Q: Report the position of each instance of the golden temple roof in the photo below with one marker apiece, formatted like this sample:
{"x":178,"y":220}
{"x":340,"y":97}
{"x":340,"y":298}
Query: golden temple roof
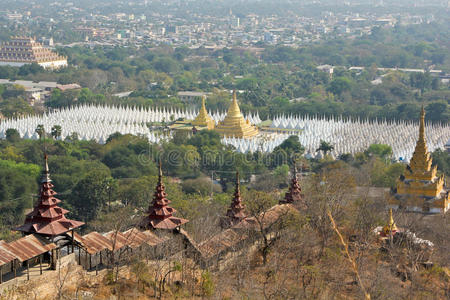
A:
{"x":234,"y":123}
{"x":203,"y":119}
{"x":420,"y":187}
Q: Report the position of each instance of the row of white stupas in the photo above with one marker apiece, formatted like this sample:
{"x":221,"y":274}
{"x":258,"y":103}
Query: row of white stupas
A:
{"x":261,"y":143}
{"x":92,"y":122}
{"x":127,"y":114}
{"x":351,"y":136}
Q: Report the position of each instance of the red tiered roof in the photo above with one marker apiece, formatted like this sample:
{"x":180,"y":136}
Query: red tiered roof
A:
{"x":47,"y":217}
{"x":236,"y":211}
{"x":294,"y":194}
{"x":160,"y":214}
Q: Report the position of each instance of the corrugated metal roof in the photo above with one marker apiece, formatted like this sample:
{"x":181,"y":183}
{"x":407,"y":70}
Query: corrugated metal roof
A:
{"x":117,"y":240}
{"x":33,"y":245}
{"x":221,"y":242}
{"x":6,"y":256}
{"x":153,"y":239}
{"x":30,"y":246}
{"x":135,"y":238}
{"x":94,"y":242}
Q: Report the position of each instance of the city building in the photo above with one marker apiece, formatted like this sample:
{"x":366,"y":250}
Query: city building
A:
{"x":190,"y":96}
{"x":419,"y":189}
{"x":24,"y":50}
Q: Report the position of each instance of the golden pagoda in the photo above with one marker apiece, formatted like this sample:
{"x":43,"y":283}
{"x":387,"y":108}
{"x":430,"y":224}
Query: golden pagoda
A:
{"x":420,"y":189}
{"x":203,"y":119}
{"x":390,"y":227}
{"x":234,"y":123}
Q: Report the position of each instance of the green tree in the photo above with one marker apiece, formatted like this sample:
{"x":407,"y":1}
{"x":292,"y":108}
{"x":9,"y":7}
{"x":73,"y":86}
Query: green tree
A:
{"x":17,"y":183}
{"x":340,"y":85}
{"x":89,"y":195}
{"x":291,"y":146}
{"x":381,"y":150}
{"x":56,"y":132}
{"x":421,"y":81}
{"x":325,"y":147}
{"x":442,"y":160}
{"x":13,"y":107}
{"x":40,"y":130}
{"x":12,"y":135}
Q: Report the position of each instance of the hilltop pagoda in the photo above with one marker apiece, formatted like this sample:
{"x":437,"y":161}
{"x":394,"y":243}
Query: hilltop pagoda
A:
{"x":420,"y":189}
{"x":294,"y":194}
{"x":236,"y":211}
{"x":25,"y":50}
{"x":47,"y":218}
{"x":203,"y":119}
{"x":160,"y":214}
{"x":234,"y":124}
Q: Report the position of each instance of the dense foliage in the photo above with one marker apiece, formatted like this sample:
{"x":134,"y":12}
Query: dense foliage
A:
{"x":91,"y":178}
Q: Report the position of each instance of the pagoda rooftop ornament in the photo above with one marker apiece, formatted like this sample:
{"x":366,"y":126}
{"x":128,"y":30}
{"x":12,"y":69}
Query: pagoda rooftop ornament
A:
{"x":236,"y":211}
{"x":294,"y":194}
{"x":160,"y":214}
{"x":47,"y":218}
{"x":234,"y":124}
{"x":390,"y":228}
{"x":419,"y":188}
{"x":203,"y":119}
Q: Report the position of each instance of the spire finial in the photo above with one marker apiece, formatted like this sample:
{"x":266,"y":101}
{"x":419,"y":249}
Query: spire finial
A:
{"x":46,"y":173}
{"x":203,"y":102}
{"x":46,"y":162}
{"x":391,"y":218}
{"x":391,"y":227}
{"x":234,"y":96}
{"x":237,"y":180}
{"x":160,"y":171}
{"x":422,"y":125}
{"x":295,"y":167}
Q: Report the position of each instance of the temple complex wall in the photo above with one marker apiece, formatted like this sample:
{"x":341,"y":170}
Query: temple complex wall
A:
{"x":52,"y":65}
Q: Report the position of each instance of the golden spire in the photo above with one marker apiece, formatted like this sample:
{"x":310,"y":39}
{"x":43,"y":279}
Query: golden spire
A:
{"x":234,"y":110}
{"x":234,"y":124}
{"x":422,"y":141}
{"x":390,"y":227}
{"x":421,"y":160}
{"x":203,"y":119}
{"x":420,"y":187}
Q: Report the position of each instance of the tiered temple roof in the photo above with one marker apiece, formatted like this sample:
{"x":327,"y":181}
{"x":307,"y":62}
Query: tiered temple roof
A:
{"x":203,"y":119}
{"x":47,"y":218}
{"x":160,"y":214}
{"x":420,"y":189}
{"x":294,"y":194}
{"x":234,"y":124}
{"x":236,"y":211}
{"x":25,"y":50}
